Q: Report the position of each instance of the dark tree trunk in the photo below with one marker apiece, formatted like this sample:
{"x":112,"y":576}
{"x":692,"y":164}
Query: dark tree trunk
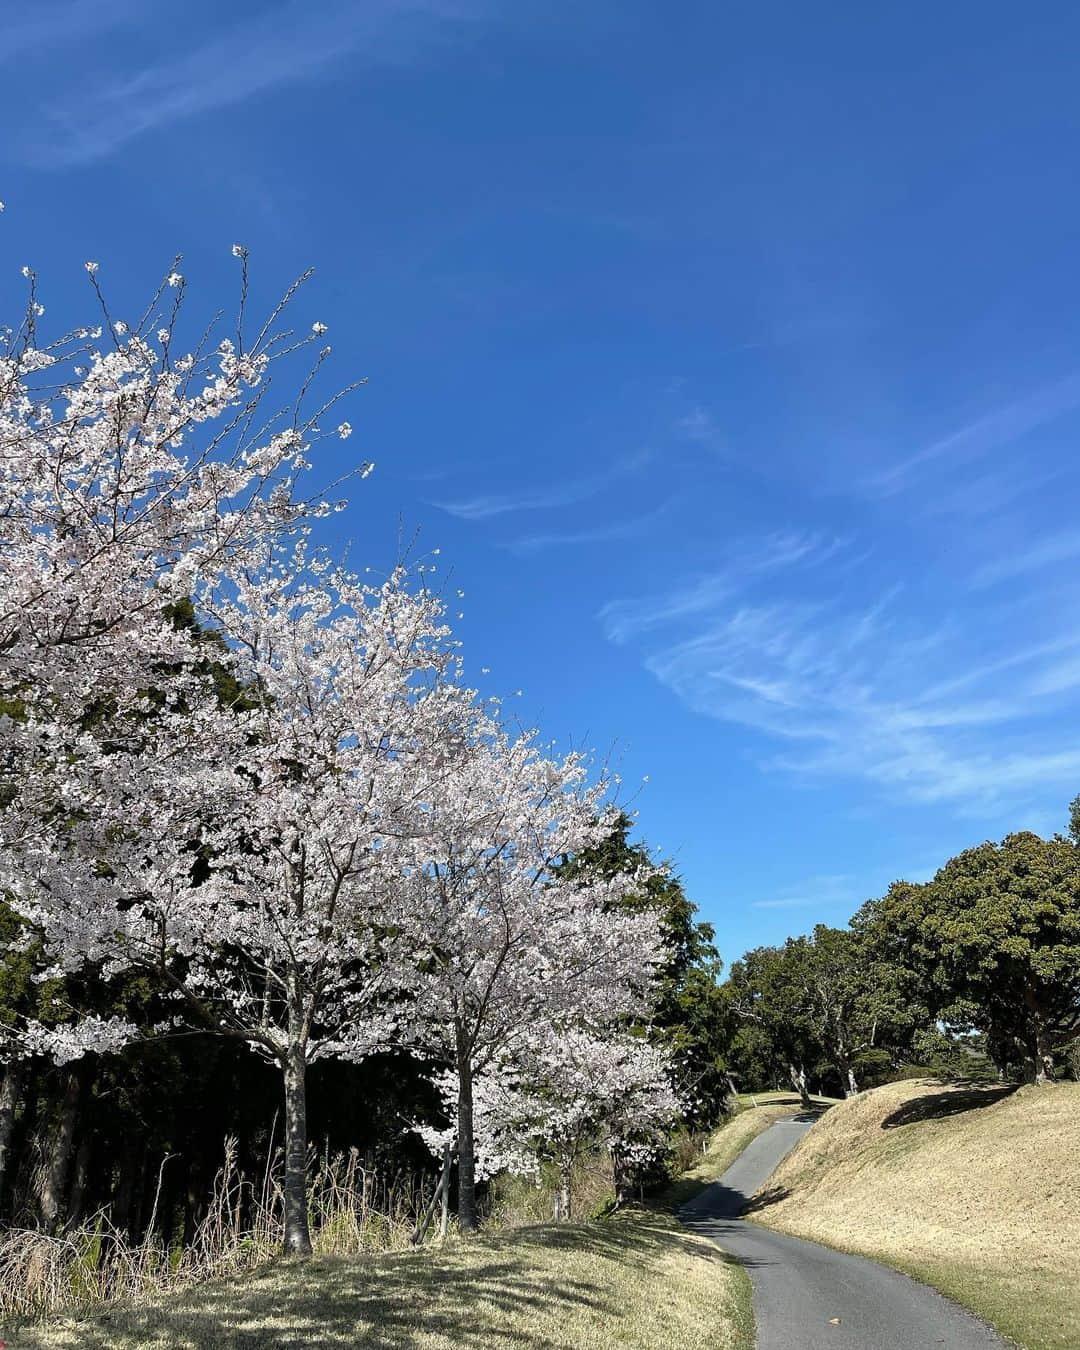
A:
{"x":10,"y":1093}
{"x":60,"y":1153}
{"x":466,"y":1143}
{"x":193,"y":1201}
{"x":1039,"y":1047}
{"x":297,"y":1233}
{"x":123,"y":1195}
{"x":139,"y":1197}
{"x":80,"y":1179}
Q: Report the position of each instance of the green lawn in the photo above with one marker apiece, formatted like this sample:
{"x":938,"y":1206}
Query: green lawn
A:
{"x":636,"y":1280}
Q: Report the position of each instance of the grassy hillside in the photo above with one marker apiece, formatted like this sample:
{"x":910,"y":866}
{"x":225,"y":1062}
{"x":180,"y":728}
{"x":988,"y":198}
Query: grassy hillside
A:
{"x":975,"y":1191}
{"x":636,"y":1281}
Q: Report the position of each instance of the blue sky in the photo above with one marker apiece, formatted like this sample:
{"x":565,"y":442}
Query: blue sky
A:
{"x":729,"y":354}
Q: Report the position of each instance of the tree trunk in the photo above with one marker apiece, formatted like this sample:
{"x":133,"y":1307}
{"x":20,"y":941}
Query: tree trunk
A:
{"x":466,"y":1142}
{"x":297,"y":1233}
{"x":731,"y":1099}
{"x":139,"y":1197}
{"x":562,"y":1195}
{"x":80,"y":1179}
{"x":1044,"y":1058}
{"x":798,"y":1082}
{"x":1038,"y":1042}
{"x":59,"y":1164}
{"x":444,"y":1182}
{"x":193,"y":1200}
{"x":10,"y":1093}
{"x":848,"y":1083}
{"x":622,"y":1174}
{"x":123,"y":1194}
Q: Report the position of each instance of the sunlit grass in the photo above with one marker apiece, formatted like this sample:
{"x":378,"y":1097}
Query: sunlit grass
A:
{"x":635,"y":1280}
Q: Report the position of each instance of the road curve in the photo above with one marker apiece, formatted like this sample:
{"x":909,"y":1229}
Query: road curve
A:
{"x":801,"y":1287}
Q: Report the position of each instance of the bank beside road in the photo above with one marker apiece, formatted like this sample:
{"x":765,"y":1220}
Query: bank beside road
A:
{"x":811,"y":1296}
{"x":974,"y":1189}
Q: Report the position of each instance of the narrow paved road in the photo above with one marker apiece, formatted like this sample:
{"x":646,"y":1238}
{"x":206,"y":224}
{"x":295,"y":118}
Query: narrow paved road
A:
{"x":800,"y":1287}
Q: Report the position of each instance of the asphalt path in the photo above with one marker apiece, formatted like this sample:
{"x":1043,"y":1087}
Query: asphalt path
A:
{"x":808,"y":1297}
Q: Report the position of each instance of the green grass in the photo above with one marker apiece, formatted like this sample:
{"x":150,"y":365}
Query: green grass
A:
{"x":971,"y":1189}
{"x":636,"y":1280}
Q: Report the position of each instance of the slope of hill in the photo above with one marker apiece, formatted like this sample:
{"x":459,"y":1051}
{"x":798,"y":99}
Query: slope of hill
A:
{"x":636,"y":1280}
{"x":974,"y":1190}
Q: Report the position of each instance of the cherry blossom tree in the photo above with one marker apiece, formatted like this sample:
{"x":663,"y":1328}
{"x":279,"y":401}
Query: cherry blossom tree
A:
{"x":128,"y":470}
{"x":579,"y":1087}
{"x":135,"y":471}
{"x":249,"y":851}
{"x":288,"y":808}
{"x":508,"y":944}
{"x":132,"y":473}
{"x":566,"y":1090}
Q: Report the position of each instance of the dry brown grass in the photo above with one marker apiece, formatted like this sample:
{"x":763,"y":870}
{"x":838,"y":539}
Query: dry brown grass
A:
{"x":970,"y":1189}
{"x":351,"y":1209}
{"x":636,"y":1281}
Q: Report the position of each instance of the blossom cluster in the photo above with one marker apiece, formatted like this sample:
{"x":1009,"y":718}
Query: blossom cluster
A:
{"x":258,"y":776}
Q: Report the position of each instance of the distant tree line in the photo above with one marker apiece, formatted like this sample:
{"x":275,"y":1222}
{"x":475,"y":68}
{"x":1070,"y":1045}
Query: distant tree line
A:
{"x":974,"y":972}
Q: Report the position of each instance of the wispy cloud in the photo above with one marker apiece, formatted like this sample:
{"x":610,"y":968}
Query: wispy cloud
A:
{"x":1062,"y":546}
{"x":597,"y":534}
{"x":282,"y":45}
{"x":860,"y":688}
{"x":567,"y":493}
{"x":622,"y":619}
{"x":1023,"y":656}
{"x":978,"y":497}
{"x":818,"y":892}
{"x":983,"y":434}
{"x":848,"y":694}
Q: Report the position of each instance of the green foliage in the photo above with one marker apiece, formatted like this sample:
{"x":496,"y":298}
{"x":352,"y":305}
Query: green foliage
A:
{"x":773,"y":1038}
{"x":832,"y":1002}
{"x":1074,"y":820}
{"x":995,"y":938}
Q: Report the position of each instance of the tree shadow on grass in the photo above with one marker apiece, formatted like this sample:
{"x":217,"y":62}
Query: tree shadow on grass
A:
{"x":768,"y":1195}
{"x":817,"y":1104}
{"x":951,"y":1102}
{"x":523,"y":1289}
